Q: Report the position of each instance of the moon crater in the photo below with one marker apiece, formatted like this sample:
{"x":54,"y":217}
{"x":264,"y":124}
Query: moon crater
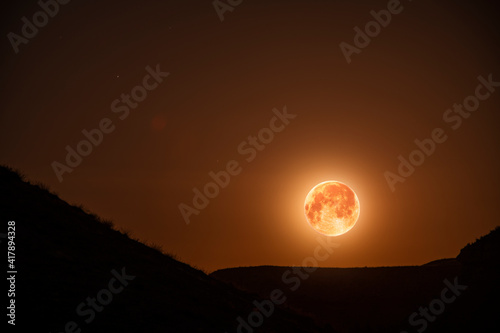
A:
{"x":332,"y":208}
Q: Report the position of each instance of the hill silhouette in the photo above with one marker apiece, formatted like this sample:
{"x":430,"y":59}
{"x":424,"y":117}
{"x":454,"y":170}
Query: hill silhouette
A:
{"x":66,"y":256}
{"x":382,"y":299}
{"x":485,"y":251}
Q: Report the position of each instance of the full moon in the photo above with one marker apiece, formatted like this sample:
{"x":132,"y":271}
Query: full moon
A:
{"x":331,"y":208}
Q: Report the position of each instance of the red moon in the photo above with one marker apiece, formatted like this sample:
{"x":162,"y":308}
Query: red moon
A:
{"x":332,"y":208}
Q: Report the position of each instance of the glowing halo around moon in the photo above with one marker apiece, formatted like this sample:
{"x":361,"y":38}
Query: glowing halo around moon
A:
{"x":331,"y":208}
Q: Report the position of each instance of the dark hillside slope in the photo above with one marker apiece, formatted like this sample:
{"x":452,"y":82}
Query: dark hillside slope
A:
{"x":382,"y":299}
{"x":485,"y":251}
{"x":350,"y":299}
{"x":66,"y":257}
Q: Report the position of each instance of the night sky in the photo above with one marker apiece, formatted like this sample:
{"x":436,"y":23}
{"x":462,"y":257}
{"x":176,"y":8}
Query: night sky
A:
{"x":176,"y":94}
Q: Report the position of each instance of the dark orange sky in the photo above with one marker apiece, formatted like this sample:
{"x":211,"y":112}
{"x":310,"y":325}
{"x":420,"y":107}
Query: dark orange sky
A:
{"x":225,"y":79}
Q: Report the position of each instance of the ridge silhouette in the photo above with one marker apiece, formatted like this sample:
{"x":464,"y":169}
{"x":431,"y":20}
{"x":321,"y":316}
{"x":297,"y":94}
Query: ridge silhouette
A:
{"x":64,"y":255}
